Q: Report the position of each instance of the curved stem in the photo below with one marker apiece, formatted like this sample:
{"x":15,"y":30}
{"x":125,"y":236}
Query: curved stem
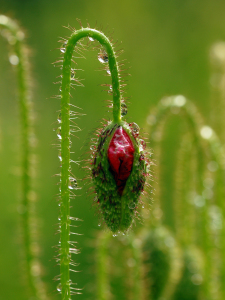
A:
{"x":65,"y":251}
{"x":207,"y":146}
{"x":15,"y":37}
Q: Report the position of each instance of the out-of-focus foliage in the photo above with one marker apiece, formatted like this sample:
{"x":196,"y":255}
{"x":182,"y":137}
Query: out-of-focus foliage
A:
{"x":167,"y":45}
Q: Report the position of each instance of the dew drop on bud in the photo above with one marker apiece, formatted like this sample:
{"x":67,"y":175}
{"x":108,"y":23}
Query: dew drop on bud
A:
{"x":135,"y":128}
{"x":132,"y":205}
{"x":142,"y":157}
{"x":123,"y":109}
{"x":91,"y":39}
{"x":142,"y":145}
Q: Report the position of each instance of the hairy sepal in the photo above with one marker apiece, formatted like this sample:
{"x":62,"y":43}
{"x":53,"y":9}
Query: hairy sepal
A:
{"x":118,"y":210}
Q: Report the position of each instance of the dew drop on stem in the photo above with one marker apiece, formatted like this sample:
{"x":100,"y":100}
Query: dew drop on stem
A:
{"x":59,"y":119}
{"x":73,"y":183}
{"x":123,"y":109}
{"x":59,"y":156}
{"x":103,"y":58}
{"x":72,"y":75}
{"x":59,"y":133}
{"x":59,"y":287}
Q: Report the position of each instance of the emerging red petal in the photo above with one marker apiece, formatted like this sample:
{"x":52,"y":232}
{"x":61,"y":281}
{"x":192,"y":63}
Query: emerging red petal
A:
{"x":121,"y":157}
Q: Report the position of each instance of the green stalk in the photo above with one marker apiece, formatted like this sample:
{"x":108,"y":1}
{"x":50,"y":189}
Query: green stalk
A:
{"x":207,"y":146}
{"x":15,"y":38}
{"x":65,"y":251}
{"x":102,"y":262}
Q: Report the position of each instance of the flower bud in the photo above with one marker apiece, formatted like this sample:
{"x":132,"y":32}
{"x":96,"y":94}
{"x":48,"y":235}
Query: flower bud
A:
{"x":119,"y":171}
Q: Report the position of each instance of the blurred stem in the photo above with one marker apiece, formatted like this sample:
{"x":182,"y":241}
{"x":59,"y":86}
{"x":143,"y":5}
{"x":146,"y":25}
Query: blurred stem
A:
{"x":103,"y":292}
{"x":137,"y":288}
{"x":65,"y":140}
{"x":15,"y":37}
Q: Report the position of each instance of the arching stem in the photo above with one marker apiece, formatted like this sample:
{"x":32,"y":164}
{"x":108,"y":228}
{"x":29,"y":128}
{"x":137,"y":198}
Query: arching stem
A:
{"x":65,"y":251}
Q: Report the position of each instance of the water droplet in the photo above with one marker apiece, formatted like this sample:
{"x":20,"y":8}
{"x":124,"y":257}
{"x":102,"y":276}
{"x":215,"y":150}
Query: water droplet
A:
{"x":63,"y":50}
{"x":72,"y":73}
{"x":123,"y":109}
{"x":135,"y":128}
{"x":110,"y":90}
{"x":59,"y":287}
{"x":59,"y":156}
{"x":132,"y":205}
{"x":99,"y":224}
{"x":69,"y":282}
{"x":59,"y":133}
{"x":141,"y":157}
{"x":73,"y":183}
{"x":114,"y":235}
{"x":142,"y":145}
{"x":59,"y":118}
{"x":59,"y":218}
{"x":103,"y":58}
{"x":91,"y":39}
{"x":14,"y":60}
{"x":108,"y":72}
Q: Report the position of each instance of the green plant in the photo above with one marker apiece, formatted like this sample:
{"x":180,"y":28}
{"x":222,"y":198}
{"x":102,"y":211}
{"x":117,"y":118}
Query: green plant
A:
{"x":178,"y":253}
{"x":119,"y":167}
{"x":19,"y":59}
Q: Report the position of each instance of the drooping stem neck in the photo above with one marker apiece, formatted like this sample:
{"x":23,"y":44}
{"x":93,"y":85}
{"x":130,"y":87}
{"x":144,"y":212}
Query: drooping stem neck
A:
{"x":113,"y":67}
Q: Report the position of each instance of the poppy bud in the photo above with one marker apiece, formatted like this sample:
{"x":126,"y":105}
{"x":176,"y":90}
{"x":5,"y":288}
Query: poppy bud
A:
{"x":119,"y":173}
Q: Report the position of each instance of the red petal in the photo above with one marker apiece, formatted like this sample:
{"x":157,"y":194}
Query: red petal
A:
{"x":121,"y":157}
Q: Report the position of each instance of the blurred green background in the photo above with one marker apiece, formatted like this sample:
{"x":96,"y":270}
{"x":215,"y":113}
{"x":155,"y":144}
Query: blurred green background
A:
{"x":166,"y":44}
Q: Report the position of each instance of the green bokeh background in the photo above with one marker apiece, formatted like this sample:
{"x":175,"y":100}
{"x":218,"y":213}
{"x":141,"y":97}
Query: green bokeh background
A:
{"x":167,"y":46}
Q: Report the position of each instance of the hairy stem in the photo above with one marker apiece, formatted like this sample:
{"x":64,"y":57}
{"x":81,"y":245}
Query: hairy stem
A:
{"x":65,"y":141}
